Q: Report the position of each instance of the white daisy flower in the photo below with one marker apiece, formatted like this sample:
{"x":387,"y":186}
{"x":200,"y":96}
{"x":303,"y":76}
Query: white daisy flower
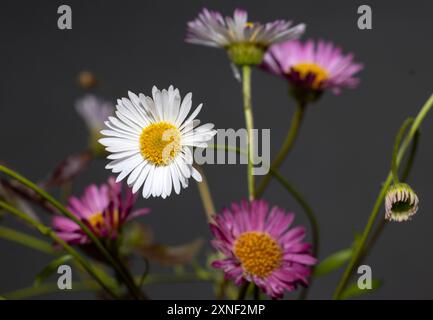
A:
{"x":151,"y":141}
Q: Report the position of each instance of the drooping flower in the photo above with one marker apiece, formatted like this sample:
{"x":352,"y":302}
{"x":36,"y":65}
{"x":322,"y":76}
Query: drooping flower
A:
{"x":151,"y":139}
{"x":401,"y":202}
{"x":244,"y":41}
{"x":259,"y":246}
{"x":94,"y":112}
{"x":312,"y":67}
{"x":103,"y":209}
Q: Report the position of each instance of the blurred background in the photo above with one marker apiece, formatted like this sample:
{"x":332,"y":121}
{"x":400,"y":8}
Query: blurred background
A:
{"x":340,"y":160}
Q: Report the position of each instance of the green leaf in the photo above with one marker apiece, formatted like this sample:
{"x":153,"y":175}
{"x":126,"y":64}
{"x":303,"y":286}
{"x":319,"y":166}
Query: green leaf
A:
{"x":333,"y":262}
{"x":354,"y":291}
{"x":50,"y":269}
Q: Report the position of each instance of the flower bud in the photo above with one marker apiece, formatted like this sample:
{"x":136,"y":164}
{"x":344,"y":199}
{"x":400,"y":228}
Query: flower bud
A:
{"x":401,"y":202}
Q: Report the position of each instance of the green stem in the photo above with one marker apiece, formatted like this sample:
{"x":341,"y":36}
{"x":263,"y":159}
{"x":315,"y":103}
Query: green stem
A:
{"x":205,"y":195}
{"x":50,"y":233}
{"x":315,"y":231}
{"x":256,"y":292}
{"x":373,"y":215}
{"x":286,"y":147}
{"x":26,"y":240}
{"x":15,"y":175}
{"x":249,"y":122}
{"x":295,"y":194}
{"x":404,"y":176}
{"x":243,"y":290}
{"x":398,"y":138}
{"x":305,"y":206}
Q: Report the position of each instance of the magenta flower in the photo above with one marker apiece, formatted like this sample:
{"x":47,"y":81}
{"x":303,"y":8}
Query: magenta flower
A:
{"x":315,"y":67}
{"x":103,"y":209}
{"x":260,"y":247}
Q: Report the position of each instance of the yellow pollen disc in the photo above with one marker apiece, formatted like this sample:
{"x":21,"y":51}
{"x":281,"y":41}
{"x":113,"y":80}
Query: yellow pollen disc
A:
{"x":249,"y":24}
{"x":160,"y":143}
{"x":305,"y":68}
{"x":258,"y":253}
{"x":96,"y":220}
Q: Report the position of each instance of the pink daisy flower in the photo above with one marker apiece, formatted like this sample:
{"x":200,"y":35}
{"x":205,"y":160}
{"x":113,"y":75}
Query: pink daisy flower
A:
{"x":244,"y":40}
{"x":212,"y":29}
{"x":260,"y":247}
{"x":103,"y":209}
{"x":313,"y":66}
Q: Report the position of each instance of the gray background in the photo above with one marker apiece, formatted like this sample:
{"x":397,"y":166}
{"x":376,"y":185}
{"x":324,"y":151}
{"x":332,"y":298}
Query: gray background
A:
{"x":342,"y":155}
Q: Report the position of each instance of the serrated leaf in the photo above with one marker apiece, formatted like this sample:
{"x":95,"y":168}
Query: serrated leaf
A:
{"x":50,"y":269}
{"x":354,"y":291}
{"x":333,"y":262}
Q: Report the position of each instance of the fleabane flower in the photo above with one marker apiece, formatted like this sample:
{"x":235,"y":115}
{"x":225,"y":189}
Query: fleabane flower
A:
{"x":312,"y":67}
{"x":401,"y":202}
{"x":260,"y":246}
{"x":245,"y":41}
{"x":94,"y":112}
{"x":104,"y":209}
{"x":151,"y":141}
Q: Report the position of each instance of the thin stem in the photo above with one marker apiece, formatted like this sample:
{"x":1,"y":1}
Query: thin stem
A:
{"x":359,"y":249}
{"x":15,"y":175}
{"x":405,"y":175}
{"x":26,"y":240}
{"x":398,"y":138}
{"x":295,"y":194}
{"x":286,"y":147}
{"x":50,"y":233}
{"x":315,"y":231}
{"x":249,"y":122}
{"x":243,"y":291}
{"x":145,"y":273}
{"x":256,"y":292}
{"x":205,"y":195}
{"x":305,"y":206}
{"x":411,"y":158}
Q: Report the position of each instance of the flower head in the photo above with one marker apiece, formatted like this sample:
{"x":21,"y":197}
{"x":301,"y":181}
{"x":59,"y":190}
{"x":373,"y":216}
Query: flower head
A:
{"x":94,"y":112}
{"x":245,"y":41}
{"x":401,"y":202}
{"x":312,"y":67}
{"x":260,"y":247}
{"x":150,"y":141}
{"x":103,"y":209}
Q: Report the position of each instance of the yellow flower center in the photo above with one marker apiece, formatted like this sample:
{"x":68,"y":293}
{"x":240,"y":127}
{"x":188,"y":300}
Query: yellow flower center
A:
{"x":96,"y":220}
{"x":319,"y":73}
{"x":258,"y":253}
{"x":160,"y":143}
{"x":249,"y":24}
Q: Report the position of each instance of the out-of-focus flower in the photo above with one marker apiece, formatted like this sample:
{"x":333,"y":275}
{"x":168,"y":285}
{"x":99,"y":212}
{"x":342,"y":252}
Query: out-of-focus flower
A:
{"x":103,"y":209}
{"x":18,"y":195}
{"x":401,"y":202}
{"x":260,"y":247}
{"x":87,"y":80}
{"x":69,"y":168}
{"x":245,"y":41}
{"x":94,"y":112}
{"x":312,"y":67}
{"x":151,"y":139}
